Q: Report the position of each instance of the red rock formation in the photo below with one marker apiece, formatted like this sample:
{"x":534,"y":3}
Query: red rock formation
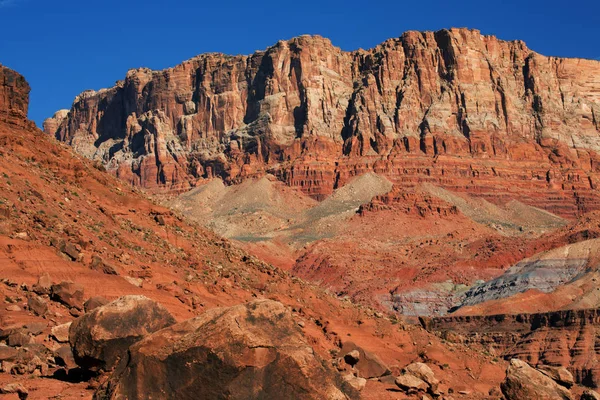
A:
{"x":560,"y":338}
{"x":454,"y":107}
{"x":14,"y":97}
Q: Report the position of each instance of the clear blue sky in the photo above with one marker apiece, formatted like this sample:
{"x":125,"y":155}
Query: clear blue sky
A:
{"x":64,"y":46}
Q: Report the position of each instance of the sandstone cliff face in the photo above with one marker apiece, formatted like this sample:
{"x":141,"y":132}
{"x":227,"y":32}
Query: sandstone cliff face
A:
{"x":453,"y":108}
{"x":14,"y":96}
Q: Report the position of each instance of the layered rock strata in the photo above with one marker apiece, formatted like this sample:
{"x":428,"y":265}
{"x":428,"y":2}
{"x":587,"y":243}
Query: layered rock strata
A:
{"x":455,"y":108}
{"x":560,"y":338}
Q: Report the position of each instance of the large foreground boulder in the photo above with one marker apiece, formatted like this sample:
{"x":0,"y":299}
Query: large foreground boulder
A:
{"x":253,"y":351}
{"x":526,"y":383}
{"x":101,"y":337}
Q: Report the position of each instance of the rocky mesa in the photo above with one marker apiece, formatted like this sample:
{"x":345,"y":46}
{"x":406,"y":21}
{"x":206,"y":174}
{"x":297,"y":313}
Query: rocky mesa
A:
{"x":453,"y":108}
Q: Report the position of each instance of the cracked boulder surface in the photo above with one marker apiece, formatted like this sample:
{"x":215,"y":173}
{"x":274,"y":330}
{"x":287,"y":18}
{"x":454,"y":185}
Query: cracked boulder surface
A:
{"x":246,"y":351}
{"x":101,"y":337}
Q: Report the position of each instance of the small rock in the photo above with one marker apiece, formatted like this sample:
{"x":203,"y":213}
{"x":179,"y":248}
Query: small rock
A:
{"x":69,"y":294}
{"x":21,"y":235}
{"x":423,"y":372}
{"x":301,"y":324}
{"x":60,"y":333}
{"x":94,"y":302}
{"x":357,"y":383}
{"x":17,"y":388}
{"x":35,"y":328}
{"x":411,"y":384}
{"x":7,"y":366}
{"x":64,"y":357}
{"x":37,"y":305}
{"x":13,"y":307}
{"x":98,"y":264}
{"x":71,"y":250}
{"x":19,"y":339}
{"x":43,"y":285}
{"x":139,"y":282}
{"x":369,"y":365}
{"x":8,"y":353}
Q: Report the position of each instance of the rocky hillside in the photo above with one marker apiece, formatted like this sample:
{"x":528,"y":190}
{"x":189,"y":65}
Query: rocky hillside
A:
{"x":454,"y":108}
{"x":90,"y":266}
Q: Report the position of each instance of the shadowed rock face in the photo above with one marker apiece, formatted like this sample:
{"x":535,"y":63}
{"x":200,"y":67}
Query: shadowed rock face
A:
{"x":246,"y":351}
{"x":14,"y":96}
{"x":101,"y":337}
{"x":452,"y":107}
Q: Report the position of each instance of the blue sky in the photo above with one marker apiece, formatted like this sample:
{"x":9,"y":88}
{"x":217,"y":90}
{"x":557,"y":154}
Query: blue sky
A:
{"x":65,"y":47}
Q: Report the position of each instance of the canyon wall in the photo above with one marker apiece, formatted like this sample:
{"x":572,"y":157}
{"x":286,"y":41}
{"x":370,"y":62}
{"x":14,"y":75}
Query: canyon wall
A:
{"x":562,"y":338}
{"x":453,"y":108}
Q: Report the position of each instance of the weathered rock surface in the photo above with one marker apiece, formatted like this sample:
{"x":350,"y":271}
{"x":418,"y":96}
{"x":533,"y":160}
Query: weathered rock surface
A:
{"x":560,"y":375}
{"x":60,"y":333}
{"x":411,"y":384}
{"x":14,"y":97}
{"x":246,"y":351}
{"x":423,"y":372}
{"x":525,"y":383}
{"x":589,"y":395}
{"x":547,"y":340}
{"x":453,"y":107}
{"x":101,"y":337}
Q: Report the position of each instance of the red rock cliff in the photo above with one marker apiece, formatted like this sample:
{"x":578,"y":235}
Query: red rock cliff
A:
{"x":14,"y":96}
{"x":453,"y":107}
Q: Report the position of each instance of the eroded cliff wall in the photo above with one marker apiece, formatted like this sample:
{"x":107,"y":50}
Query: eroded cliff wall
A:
{"x":453,"y":108}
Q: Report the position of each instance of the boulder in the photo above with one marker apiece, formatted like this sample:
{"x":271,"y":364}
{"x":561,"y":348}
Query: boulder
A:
{"x":526,"y":383}
{"x":560,"y":375}
{"x":368,"y":364}
{"x":247,"y":351}
{"x":101,"y":337}
{"x":68,"y":293}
